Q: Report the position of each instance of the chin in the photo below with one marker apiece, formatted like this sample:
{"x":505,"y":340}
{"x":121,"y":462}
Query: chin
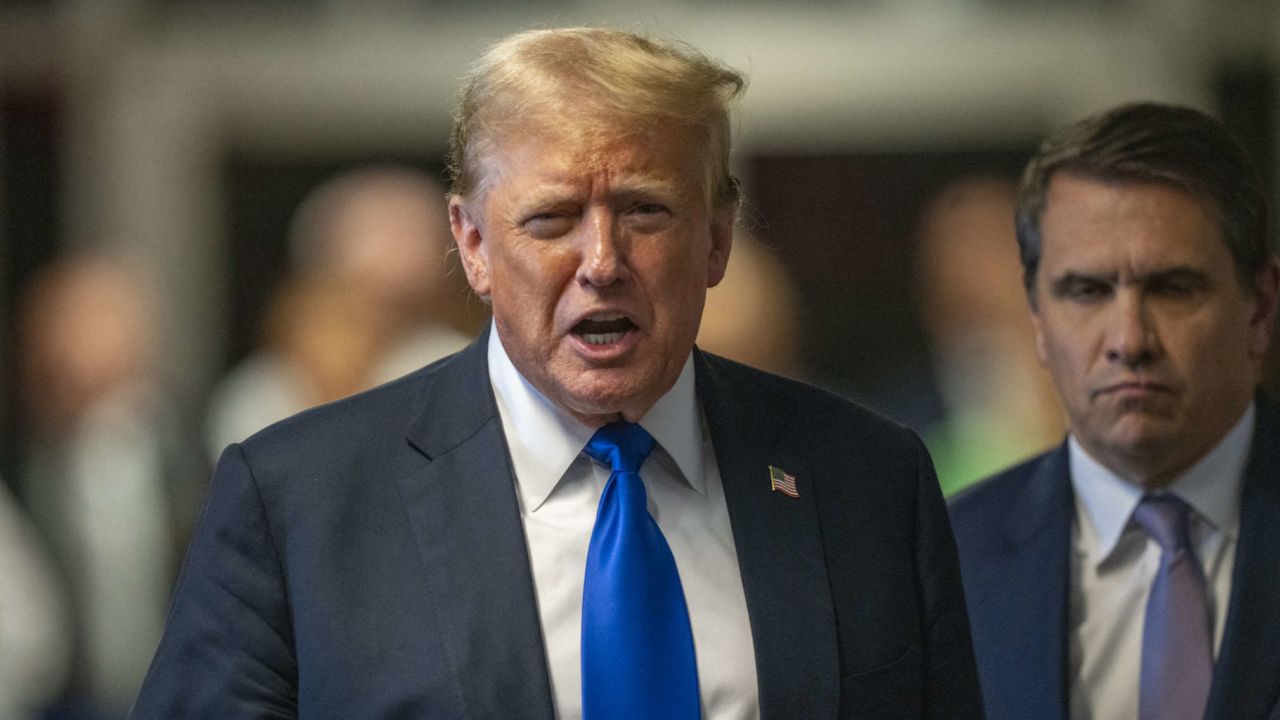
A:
{"x":1140,"y":439}
{"x":595,"y":400}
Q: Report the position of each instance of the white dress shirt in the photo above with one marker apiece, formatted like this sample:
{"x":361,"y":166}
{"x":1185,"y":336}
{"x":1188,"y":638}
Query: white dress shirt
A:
{"x":1114,"y":562}
{"x":559,"y":490}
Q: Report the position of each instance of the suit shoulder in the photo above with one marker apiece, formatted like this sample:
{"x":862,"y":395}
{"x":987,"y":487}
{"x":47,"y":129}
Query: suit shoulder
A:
{"x":803,"y":403}
{"x":999,"y":488}
{"x":975,"y":508}
{"x":357,"y":420}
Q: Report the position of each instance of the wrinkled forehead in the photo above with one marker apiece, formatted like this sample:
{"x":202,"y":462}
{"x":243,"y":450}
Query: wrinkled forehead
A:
{"x":592,"y":144}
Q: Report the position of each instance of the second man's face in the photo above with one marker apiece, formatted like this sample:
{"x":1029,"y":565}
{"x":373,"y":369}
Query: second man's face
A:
{"x":596,"y":252}
{"x":1152,"y":341}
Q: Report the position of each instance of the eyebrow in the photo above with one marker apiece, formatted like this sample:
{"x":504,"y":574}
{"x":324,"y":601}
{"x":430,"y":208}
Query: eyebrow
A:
{"x":1185,"y":274}
{"x":641,"y":185}
{"x":548,"y":194}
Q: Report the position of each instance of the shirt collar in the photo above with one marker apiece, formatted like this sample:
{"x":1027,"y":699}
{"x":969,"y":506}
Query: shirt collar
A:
{"x":544,"y":440}
{"x":1211,"y":487}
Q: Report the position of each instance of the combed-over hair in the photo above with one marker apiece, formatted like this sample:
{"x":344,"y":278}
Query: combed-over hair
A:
{"x":594,"y":80}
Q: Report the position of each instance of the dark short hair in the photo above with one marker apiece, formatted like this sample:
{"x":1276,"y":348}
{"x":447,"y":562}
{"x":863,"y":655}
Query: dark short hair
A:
{"x":1153,"y":143}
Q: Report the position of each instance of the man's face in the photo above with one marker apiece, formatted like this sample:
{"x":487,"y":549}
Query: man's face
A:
{"x":1140,"y":317}
{"x":597,"y":255}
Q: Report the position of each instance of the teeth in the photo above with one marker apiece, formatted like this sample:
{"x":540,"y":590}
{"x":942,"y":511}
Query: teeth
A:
{"x":607,"y":317}
{"x":602,"y":338}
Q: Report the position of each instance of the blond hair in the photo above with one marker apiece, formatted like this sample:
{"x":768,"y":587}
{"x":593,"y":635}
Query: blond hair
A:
{"x":615,"y":79}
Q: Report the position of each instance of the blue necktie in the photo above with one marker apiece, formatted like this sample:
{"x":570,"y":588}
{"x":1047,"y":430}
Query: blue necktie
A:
{"x":637,"y":647}
{"x":1177,"y":651}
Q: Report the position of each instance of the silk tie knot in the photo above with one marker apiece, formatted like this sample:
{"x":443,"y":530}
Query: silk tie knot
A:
{"x":623,"y":446}
{"x":1165,"y":519}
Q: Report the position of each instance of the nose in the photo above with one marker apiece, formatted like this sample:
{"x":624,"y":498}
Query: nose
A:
{"x":603,"y":259}
{"x":1131,"y":339}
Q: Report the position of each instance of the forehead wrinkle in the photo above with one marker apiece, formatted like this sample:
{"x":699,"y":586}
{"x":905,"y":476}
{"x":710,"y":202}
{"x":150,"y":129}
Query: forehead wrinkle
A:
{"x":627,"y":184}
{"x":549,"y":193}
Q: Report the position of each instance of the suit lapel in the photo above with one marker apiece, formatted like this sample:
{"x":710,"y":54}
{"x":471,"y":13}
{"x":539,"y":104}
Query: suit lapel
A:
{"x":463,"y":511}
{"x":780,"y":553}
{"x":1027,"y":600}
{"x":1246,"y":680}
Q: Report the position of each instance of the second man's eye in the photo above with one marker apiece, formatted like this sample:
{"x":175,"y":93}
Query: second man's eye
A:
{"x":1082,"y":289}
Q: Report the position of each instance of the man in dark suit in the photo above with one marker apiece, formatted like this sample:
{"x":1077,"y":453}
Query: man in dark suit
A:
{"x":485,"y":538}
{"x":1131,"y":572}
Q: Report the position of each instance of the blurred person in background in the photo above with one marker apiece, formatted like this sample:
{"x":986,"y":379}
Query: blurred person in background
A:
{"x":109,"y":476}
{"x":752,"y":315}
{"x":375,"y":240}
{"x":1131,"y":571}
{"x":35,"y":635}
{"x":999,"y":404}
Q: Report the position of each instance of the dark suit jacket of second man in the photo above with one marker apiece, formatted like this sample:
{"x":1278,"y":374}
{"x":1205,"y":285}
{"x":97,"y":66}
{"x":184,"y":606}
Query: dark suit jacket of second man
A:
{"x":1014,"y":534}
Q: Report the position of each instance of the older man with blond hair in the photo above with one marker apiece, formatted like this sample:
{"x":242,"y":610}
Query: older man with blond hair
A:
{"x":581,"y":515}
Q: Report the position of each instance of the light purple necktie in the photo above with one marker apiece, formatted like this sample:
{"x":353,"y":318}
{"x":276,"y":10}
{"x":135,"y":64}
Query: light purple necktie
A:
{"x":1177,"y":650}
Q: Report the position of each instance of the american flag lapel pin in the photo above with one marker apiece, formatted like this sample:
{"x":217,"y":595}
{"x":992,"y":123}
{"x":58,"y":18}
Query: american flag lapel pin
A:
{"x":782,"y":481}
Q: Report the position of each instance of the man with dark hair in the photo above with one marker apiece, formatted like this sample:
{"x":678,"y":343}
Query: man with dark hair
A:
{"x":1131,"y":572}
{"x":580,"y":515}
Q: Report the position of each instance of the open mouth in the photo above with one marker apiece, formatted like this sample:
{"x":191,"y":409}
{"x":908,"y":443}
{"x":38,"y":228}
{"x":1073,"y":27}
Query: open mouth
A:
{"x":603,"y":328}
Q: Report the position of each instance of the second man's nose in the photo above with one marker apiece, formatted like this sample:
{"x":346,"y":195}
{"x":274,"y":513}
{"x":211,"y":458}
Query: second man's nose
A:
{"x":1131,"y":335}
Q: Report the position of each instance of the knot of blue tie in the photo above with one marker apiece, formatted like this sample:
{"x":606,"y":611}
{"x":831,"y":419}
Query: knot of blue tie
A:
{"x":623,"y":446}
{"x":637,"y":644}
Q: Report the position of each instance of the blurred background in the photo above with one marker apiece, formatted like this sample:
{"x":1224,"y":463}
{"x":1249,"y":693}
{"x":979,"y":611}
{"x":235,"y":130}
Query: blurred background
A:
{"x":215,"y":213}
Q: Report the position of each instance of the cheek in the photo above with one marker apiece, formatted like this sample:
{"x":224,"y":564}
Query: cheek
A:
{"x":1066,"y":359}
{"x":1218,"y":348}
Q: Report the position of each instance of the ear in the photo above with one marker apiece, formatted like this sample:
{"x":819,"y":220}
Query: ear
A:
{"x":1037,"y":324}
{"x":471,"y":246}
{"x":722,"y":223}
{"x":1267,"y":282}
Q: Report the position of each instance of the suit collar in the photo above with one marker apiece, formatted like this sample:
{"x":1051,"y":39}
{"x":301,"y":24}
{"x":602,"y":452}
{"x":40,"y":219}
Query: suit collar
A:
{"x":1036,"y":510}
{"x":462,"y":510}
{"x":786,"y":587}
{"x":1211,"y":486}
{"x":1026,"y":596}
{"x":544,"y":440}
{"x":454,"y":401}
{"x":1251,"y":640}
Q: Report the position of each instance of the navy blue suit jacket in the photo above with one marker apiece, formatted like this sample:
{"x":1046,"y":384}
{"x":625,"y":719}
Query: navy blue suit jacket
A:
{"x":1014,"y":535}
{"x":366,"y":560}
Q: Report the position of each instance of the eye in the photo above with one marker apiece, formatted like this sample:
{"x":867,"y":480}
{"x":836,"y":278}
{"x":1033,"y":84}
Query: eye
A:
{"x":548,"y":225}
{"x":648,"y":209}
{"x":648,"y":216}
{"x":1177,"y":285}
{"x":1082,"y":289}
{"x":1172,"y":289}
